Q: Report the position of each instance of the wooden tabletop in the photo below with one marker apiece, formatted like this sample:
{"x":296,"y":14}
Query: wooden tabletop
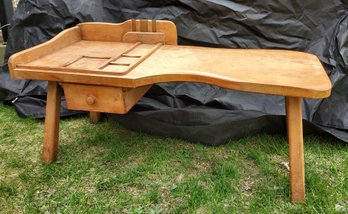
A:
{"x":277,"y":72}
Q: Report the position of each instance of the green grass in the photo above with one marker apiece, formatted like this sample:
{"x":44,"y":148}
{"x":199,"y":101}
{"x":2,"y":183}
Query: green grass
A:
{"x":104,"y":168}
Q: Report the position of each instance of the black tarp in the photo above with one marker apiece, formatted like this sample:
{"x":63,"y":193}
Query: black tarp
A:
{"x":192,"y":111}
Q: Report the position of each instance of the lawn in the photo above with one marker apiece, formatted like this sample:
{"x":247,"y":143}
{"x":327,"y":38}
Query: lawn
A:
{"x":105,"y":168}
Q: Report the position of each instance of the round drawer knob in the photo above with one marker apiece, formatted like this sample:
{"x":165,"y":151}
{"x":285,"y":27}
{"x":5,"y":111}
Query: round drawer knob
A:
{"x":91,"y":100}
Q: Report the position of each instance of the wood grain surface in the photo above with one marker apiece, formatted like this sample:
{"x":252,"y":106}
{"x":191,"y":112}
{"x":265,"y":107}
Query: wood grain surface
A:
{"x":109,"y":67}
{"x":91,"y":58}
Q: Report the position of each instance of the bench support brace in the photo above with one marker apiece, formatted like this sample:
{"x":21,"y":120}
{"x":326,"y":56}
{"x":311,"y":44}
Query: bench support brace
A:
{"x":51,"y":133}
{"x":296,"y":154}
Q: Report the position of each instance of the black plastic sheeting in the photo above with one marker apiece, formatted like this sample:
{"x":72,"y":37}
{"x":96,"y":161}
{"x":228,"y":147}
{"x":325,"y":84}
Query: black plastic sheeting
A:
{"x":198,"y":112}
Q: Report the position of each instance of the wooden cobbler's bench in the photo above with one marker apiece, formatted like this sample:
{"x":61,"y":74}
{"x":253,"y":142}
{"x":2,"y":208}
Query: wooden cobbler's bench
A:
{"x":106,"y":67}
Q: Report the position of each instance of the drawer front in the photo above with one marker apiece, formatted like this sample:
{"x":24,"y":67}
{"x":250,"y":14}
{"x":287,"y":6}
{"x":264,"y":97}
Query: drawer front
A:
{"x":94,"y":98}
{"x":102,"y":98}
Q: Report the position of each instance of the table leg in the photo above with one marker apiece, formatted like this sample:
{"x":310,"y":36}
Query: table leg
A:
{"x":94,"y":116}
{"x":296,"y":153}
{"x":51,"y":133}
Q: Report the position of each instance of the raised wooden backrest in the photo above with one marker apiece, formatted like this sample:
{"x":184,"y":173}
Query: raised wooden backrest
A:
{"x":134,"y":30}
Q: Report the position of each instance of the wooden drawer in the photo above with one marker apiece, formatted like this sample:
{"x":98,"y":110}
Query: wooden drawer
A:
{"x":102,"y":98}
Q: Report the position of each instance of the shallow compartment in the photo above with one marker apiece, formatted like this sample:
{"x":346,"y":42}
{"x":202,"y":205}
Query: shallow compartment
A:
{"x":86,"y":62}
{"x":102,"y":98}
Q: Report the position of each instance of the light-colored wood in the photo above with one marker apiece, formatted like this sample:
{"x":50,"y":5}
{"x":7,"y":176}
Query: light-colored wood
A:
{"x":98,"y":64}
{"x":94,"y":116}
{"x":296,"y":151}
{"x":145,"y":37}
{"x":169,"y":29}
{"x":98,"y":31}
{"x":102,"y":33}
{"x":63,"y":39}
{"x":102,"y":98}
{"x":90,"y":100}
{"x":132,"y":96}
{"x":119,"y":55}
{"x":109,"y":79}
{"x":107,"y":99}
{"x":51,"y":133}
{"x":276,"y":72}
{"x":109,"y":67}
{"x":142,"y":58}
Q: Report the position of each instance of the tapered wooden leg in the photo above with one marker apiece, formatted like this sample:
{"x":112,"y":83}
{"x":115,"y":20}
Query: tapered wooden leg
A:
{"x":51,"y":134}
{"x":296,"y":154}
{"x":94,"y":116}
